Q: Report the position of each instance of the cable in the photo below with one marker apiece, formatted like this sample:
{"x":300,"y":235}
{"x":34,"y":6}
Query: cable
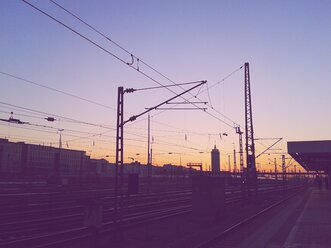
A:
{"x":30,"y":116}
{"x":56,"y":90}
{"x":48,"y":114}
{"x":112,"y":54}
{"x":168,"y":143}
{"x":166,"y":86}
{"x":70,"y":130}
{"x":209,"y":97}
{"x":222,"y":80}
{"x":33,"y":129}
{"x":209,"y":105}
{"x":133,"y":67}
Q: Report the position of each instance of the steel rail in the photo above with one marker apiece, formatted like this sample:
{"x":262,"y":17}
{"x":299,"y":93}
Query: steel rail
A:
{"x":150,"y":215}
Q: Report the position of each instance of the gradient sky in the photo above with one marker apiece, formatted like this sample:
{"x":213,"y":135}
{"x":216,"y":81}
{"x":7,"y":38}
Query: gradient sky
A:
{"x":287,"y":44}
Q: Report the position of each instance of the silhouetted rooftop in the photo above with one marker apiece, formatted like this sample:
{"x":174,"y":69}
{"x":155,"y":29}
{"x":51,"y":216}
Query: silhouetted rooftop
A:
{"x":311,"y":155}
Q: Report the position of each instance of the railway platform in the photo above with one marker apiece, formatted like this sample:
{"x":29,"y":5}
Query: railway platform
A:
{"x":312,"y":228}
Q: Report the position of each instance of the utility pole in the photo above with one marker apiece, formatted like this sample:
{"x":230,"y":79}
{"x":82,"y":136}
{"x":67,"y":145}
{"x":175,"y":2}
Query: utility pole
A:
{"x":241,"y":153}
{"x":120,"y":145}
{"x":58,"y":156}
{"x":276,"y":177}
{"x":60,"y":139}
{"x":148,"y":142}
{"x":234,"y":159}
{"x":229,"y":163}
{"x":119,"y":138}
{"x":119,"y":161}
{"x":149,"y":162}
{"x":283,"y":167}
{"x":284,"y":173}
{"x":250,"y":147}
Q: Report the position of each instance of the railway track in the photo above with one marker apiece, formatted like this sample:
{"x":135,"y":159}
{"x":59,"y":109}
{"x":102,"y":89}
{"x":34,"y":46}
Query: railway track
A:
{"x":56,"y":225}
{"x":224,"y":239}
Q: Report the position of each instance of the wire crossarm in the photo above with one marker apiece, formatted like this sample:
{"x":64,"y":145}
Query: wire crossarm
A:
{"x":269,"y":148}
{"x":134,"y":117}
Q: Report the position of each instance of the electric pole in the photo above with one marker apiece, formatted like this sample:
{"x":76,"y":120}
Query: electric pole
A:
{"x":284,"y":172}
{"x":276,"y":177}
{"x":148,"y":142}
{"x":149,"y":162}
{"x":120,"y":145}
{"x":241,"y":153}
{"x":250,"y":147}
{"x":119,"y":161}
{"x":234,"y":159}
{"x":229,"y":164}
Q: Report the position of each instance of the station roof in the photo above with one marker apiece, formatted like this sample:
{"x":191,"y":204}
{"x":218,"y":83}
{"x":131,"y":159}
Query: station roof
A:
{"x":311,"y":155}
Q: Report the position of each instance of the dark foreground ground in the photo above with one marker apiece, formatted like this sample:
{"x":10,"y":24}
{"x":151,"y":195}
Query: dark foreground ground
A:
{"x":304,"y":219}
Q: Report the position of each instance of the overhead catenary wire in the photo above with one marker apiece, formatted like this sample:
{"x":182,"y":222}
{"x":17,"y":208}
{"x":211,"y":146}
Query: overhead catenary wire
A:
{"x":24,"y":115}
{"x":115,"y":56}
{"x":34,"y":140}
{"x":91,"y":136}
{"x":41,"y":115}
{"x":209,"y":97}
{"x":55,"y":130}
{"x":202,"y":91}
{"x":134,"y":117}
{"x":99,"y":104}
{"x":210,"y":87}
{"x":55,"y":115}
{"x":139,"y":59}
{"x":166,"y":143}
{"x":56,"y":90}
{"x":167,"y":86}
{"x":94,"y":43}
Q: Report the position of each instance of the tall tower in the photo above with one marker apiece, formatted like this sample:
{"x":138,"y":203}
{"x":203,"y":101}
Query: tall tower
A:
{"x":215,"y":160}
{"x":250,"y":148}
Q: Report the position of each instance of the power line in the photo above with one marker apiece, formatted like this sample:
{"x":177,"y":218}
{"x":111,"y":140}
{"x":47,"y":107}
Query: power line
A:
{"x":209,"y":105}
{"x":56,"y":90}
{"x":58,"y":116}
{"x":200,"y":92}
{"x":120,"y":58}
{"x":166,"y":86}
{"x":55,"y":130}
{"x":134,"y":117}
{"x":90,"y":136}
{"x":115,"y":56}
{"x":115,"y":43}
{"x":42,"y":117}
{"x":167,"y":143}
{"x":43,"y":114}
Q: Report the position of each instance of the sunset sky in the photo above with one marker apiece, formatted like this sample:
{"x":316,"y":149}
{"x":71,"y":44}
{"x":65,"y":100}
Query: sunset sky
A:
{"x":287,"y":45}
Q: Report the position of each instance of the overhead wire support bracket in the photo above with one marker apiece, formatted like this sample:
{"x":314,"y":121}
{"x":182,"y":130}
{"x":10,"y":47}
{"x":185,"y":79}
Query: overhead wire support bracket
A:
{"x":133,"y":118}
{"x":187,"y":103}
{"x":120,"y":147}
{"x":167,"y":86}
{"x":204,"y":109}
{"x":135,"y":61}
{"x":268,"y":148}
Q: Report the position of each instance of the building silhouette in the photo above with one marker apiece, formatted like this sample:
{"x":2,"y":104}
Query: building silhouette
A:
{"x":215,"y":160}
{"x":19,"y":157}
{"x":22,"y":159}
